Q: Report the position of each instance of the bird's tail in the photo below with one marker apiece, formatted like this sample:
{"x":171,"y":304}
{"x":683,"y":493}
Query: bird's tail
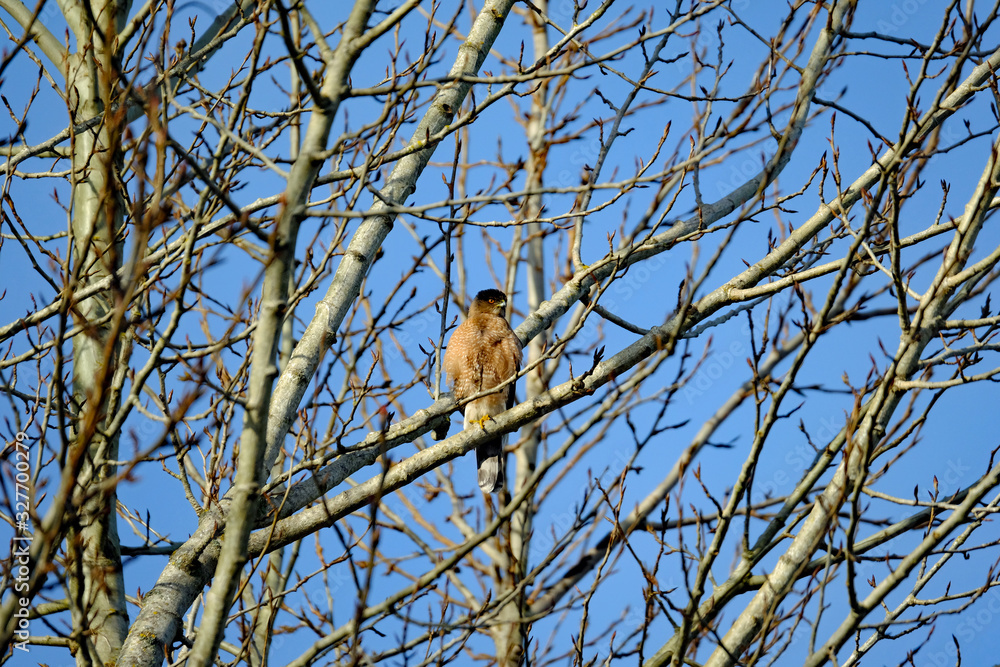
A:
{"x":491,"y":462}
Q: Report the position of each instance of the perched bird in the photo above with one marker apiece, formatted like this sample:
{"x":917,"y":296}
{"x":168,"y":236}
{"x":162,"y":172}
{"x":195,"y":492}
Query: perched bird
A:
{"x":484,"y":352}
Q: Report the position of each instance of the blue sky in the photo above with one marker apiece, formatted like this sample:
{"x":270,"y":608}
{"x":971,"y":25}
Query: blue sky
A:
{"x":955,"y":442}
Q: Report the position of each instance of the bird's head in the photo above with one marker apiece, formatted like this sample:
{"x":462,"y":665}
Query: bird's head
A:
{"x":491,"y":301}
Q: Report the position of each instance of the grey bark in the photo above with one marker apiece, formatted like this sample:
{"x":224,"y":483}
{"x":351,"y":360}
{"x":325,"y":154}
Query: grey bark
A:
{"x":94,"y":567}
{"x":511,"y":635}
{"x":193,"y":564}
{"x":252,"y":467}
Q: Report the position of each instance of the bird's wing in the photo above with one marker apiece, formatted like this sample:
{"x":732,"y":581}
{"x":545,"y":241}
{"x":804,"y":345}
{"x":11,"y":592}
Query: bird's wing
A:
{"x":454,"y":355}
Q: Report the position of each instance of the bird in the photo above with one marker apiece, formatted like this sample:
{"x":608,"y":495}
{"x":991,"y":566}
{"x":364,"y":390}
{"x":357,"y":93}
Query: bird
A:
{"x":482,"y":353}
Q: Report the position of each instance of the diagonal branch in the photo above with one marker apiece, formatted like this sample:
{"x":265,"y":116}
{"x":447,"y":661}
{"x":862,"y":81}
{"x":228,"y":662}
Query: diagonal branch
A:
{"x":194,"y":563}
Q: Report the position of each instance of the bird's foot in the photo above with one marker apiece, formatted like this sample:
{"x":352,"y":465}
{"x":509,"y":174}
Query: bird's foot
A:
{"x":481,"y":422}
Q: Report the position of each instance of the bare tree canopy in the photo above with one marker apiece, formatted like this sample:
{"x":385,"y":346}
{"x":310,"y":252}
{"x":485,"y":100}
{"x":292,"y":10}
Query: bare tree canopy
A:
{"x":747,"y":247}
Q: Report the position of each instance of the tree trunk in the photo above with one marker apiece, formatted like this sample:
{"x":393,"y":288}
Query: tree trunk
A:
{"x":511,"y":633}
{"x":94,"y":568}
